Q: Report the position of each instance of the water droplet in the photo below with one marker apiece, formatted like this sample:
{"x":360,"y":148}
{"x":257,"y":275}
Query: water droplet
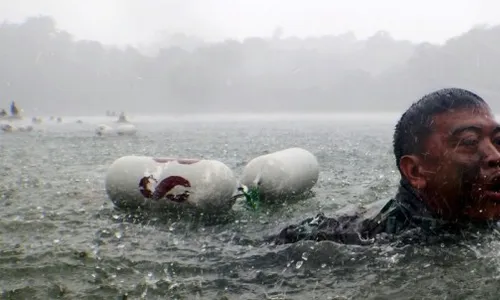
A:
{"x":118,"y":235}
{"x":323,"y":266}
{"x":299,"y":264}
{"x":305,"y":255}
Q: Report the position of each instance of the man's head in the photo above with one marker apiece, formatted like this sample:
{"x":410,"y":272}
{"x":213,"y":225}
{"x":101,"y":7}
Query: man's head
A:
{"x":447,"y":147}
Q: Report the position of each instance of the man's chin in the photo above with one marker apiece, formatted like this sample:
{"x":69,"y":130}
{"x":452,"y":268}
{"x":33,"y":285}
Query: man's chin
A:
{"x":486,"y":209}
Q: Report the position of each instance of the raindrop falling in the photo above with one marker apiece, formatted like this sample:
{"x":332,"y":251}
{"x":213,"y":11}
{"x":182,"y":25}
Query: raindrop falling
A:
{"x":299,"y":264}
{"x":305,"y":255}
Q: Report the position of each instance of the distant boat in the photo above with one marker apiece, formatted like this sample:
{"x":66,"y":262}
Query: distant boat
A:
{"x":15,"y":113}
{"x":36,"y":120}
{"x":122,"y":118}
{"x":111,"y":113}
{"x":13,"y":109}
{"x":11,"y":128}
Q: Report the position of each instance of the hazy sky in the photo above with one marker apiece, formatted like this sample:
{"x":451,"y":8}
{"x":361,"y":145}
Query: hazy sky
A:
{"x":139,"y":21}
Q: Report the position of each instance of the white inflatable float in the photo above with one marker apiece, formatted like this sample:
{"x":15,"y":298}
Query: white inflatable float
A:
{"x":125,"y":129}
{"x":282,"y":174}
{"x":160,"y":183}
{"x":11,"y":129}
{"x":104,"y":130}
{"x":36,"y":120}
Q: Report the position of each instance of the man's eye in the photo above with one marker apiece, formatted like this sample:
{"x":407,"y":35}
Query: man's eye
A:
{"x":469,"y":142}
{"x":496,"y":141}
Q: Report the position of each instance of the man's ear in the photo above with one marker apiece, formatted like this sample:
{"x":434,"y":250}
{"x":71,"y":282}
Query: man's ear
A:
{"x":413,"y":171}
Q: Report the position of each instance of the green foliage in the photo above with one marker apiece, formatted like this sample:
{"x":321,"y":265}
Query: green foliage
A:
{"x":252,"y":198}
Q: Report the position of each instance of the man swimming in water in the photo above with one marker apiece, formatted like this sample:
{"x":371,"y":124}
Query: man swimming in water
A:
{"x":447,"y":150}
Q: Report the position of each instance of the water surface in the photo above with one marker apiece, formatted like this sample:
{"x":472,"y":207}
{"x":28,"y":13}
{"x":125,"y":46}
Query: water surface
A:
{"x":60,"y":237}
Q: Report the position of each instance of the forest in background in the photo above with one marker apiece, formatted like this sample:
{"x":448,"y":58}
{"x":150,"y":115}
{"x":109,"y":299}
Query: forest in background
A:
{"x":47,"y":71}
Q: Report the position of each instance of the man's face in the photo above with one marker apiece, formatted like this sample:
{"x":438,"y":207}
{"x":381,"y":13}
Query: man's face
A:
{"x":462,"y":164}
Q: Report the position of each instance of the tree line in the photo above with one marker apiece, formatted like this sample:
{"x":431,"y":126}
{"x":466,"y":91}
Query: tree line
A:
{"x":47,"y":71}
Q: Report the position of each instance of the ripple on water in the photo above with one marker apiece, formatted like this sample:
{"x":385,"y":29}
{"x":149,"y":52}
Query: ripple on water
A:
{"x":61,"y":237}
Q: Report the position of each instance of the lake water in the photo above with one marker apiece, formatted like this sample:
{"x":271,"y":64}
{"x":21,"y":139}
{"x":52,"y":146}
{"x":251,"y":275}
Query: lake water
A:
{"x":60,"y":237}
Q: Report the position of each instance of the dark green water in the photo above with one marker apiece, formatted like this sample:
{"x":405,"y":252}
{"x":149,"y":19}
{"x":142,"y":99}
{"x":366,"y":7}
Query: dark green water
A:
{"x":60,"y":237}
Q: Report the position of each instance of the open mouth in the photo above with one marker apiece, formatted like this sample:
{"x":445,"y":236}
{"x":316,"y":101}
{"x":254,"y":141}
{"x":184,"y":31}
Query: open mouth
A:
{"x":494,"y":187}
{"x":492,"y":190}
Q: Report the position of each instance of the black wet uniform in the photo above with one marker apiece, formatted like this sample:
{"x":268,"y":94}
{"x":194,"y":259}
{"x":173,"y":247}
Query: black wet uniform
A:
{"x":404,"y":216}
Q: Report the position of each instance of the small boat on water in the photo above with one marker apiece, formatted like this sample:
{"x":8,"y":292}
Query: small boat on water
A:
{"x":36,"y":120}
{"x":8,"y":128}
{"x":15,"y":113}
{"x":110,"y":113}
{"x":122,"y":118}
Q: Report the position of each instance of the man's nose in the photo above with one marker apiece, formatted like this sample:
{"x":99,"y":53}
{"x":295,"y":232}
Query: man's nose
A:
{"x":492,"y":155}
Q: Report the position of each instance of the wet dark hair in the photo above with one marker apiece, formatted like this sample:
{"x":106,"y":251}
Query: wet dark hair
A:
{"x":416,"y":123}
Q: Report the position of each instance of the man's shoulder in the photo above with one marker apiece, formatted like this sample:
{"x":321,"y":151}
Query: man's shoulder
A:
{"x":348,"y":225}
{"x":360,"y":210}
